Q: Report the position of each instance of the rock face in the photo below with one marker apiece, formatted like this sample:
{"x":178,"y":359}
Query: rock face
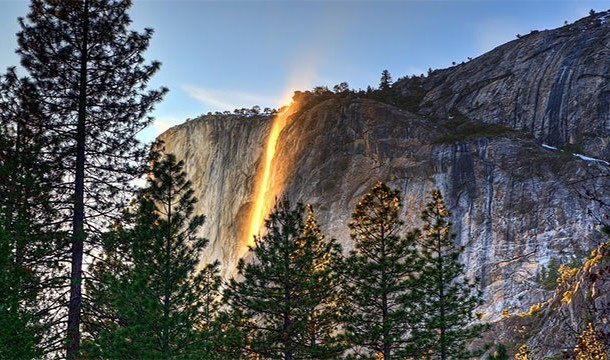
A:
{"x":551,"y":328}
{"x":514,"y":202}
{"x":221,"y":156}
{"x":553,"y":83}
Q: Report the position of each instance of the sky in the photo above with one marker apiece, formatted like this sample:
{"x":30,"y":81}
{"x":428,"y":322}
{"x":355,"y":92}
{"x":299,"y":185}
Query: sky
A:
{"x":222,"y":55}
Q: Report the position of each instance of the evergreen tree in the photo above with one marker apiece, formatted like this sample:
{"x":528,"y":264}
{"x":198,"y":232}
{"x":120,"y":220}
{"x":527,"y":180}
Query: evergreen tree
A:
{"x":501,"y":353}
{"x":385,"y":83}
{"x":30,"y":256}
{"x":18,"y":331}
{"x":288,"y":293}
{"x":379,"y":278}
{"x":91,"y":81}
{"x":159,"y":304}
{"x":233,"y":332}
{"x":590,"y":345}
{"x":448,"y":300}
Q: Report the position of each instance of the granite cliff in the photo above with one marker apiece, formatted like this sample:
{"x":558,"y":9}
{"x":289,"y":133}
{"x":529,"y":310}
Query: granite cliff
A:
{"x":551,"y":83}
{"x":479,"y":131}
{"x":551,"y":328}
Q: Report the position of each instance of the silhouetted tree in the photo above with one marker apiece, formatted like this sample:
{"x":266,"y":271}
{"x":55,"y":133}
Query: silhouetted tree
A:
{"x":341,"y":88}
{"x":91,"y":79}
{"x":19,"y":333}
{"x":386,"y":80}
{"x":161,"y":306}
{"x":29,"y":248}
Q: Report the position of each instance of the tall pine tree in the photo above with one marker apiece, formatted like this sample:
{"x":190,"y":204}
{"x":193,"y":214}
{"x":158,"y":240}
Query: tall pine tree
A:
{"x":149,"y":286}
{"x":91,"y":78}
{"x":30,"y":248}
{"x":379,"y":277}
{"x":448,"y":300}
{"x":288,"y":293}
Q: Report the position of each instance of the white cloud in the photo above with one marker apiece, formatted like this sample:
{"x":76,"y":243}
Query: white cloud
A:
{"x":226,"y":99}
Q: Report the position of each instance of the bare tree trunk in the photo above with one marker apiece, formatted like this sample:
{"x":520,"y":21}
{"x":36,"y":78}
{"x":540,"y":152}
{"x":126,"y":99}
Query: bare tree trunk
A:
{"x":78,"y":220}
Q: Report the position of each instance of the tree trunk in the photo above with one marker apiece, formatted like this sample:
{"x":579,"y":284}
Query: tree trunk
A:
{"x":387,"y":346}
{"x":166,"y":294}
{"x":78,"y":220}
{"x":441,"y":299}
{"x":288,"y":351}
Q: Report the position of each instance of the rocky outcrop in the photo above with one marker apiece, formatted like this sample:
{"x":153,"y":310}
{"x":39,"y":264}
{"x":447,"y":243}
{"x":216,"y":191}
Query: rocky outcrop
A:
{"x":551,"y":328}
{"x":552,"y":83}
{"x":477,"y":131}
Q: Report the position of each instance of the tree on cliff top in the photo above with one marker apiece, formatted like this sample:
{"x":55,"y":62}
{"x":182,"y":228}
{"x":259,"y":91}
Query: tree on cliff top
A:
{"x":148,"y":284}
{"x":380,"y":278}
{"x":288,"y":292}
{"x":91,"y":79}
{"x":386,"y":80}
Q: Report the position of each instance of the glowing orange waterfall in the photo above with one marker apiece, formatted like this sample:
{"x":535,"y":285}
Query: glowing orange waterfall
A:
{"x":264,"y":194}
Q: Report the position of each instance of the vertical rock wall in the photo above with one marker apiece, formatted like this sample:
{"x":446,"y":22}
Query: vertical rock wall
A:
{"x":222,"y":155}
{"x":552,"y":83}
{"x":513,"y":204}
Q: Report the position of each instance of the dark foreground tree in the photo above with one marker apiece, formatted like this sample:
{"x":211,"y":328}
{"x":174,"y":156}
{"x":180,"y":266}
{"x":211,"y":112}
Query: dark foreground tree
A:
{"x":29,"y":242}
{"x":19,"y":333}
{"x":448,"y":300}
{"x":379,"y":278}
{"x":91,"y":77}
{"x":151,"y":300}
{"x":287,"y":298}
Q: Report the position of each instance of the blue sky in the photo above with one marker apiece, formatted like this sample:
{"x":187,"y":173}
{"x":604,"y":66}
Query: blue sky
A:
{"x":220,"y":55}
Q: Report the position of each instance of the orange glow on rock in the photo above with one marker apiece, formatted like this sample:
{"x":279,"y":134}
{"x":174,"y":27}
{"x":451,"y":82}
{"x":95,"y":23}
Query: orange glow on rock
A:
{"x":264,"y":194}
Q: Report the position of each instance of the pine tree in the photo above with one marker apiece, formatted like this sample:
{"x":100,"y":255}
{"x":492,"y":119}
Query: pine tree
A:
{"x":288,"y":293}
{"x":385,"y":82}
{"x":28,"y":180}
{"x":320,"y":257}
{"x":501,"y":353}
{"x":448,"y":300}
{"x":379,"y":278}
{"x":161,"y":306}
{"x":590,"y":345}
{"x":233,"y":332}
{"x":18,"y":331}
{"x":91,"y":79}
